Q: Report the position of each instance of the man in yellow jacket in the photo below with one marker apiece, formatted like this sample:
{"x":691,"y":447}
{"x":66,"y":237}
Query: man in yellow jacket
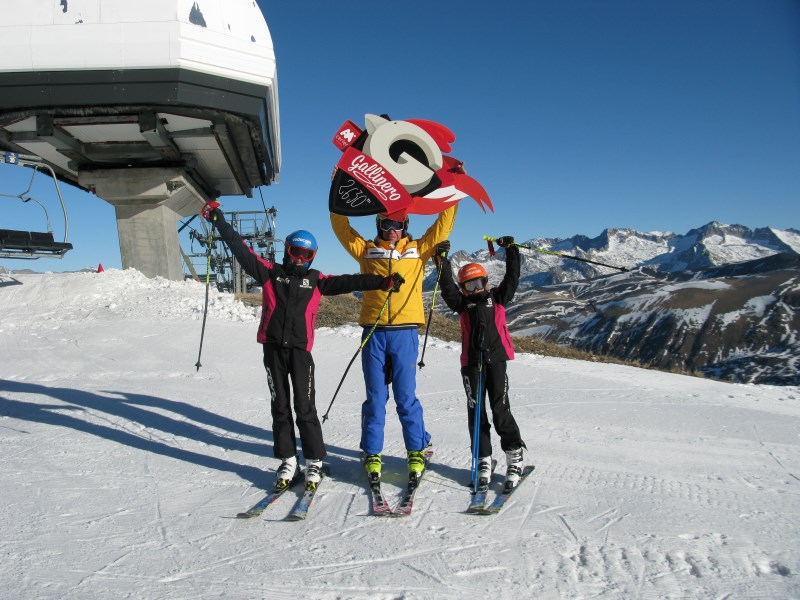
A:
{"x":390,"y":355}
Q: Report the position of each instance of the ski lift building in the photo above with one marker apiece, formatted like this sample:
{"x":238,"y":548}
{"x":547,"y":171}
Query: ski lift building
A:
{"x":155,"y":106}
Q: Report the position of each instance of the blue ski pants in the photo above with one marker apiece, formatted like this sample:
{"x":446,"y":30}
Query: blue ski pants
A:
{"x":391,"y":355}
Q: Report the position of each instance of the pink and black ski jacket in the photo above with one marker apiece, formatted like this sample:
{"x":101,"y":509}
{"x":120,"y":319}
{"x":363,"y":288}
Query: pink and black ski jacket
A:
{"x":484,"y":332}
{"x":290,"y":294}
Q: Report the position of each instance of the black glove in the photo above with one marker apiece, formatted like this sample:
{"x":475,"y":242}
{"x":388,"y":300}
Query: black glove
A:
{"x":443,"y":248}
{"x":505,"y":241}
{"x":211,"y":211}
{"x":392,"y":282}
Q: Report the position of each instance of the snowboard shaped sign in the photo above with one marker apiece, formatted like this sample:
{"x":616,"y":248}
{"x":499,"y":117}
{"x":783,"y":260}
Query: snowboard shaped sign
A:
{"x":396,"y":168}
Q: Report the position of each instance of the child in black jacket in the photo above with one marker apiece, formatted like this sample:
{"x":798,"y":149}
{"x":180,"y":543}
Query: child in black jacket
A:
{"x":486,"y":347}
{"x":291,"y":293}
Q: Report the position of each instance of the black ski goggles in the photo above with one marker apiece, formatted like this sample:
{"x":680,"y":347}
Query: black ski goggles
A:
{"x":389,"y":224}
{"x":305,"y":254}
{"x":475,"y":285}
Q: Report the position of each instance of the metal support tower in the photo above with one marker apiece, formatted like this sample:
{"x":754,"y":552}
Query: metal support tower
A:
{"x":256,"y":227}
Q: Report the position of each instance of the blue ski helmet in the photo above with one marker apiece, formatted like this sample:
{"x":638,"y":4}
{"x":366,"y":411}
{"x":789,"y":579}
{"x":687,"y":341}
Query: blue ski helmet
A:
{"x":301,"y":244}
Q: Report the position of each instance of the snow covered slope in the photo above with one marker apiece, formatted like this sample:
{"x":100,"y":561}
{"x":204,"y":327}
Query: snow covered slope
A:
{"x":122,"y":466}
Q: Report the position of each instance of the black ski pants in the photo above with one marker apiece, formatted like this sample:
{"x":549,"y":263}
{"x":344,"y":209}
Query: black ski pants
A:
{"x":494,"y":385}
{"x":292,"y":364}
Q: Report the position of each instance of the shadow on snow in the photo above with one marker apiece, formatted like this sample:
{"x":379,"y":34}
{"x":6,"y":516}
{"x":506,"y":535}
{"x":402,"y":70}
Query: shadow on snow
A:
{"x":190,"y":422}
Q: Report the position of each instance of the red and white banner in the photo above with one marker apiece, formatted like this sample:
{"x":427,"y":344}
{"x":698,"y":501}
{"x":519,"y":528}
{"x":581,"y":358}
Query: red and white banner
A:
{"x":398,"y":167}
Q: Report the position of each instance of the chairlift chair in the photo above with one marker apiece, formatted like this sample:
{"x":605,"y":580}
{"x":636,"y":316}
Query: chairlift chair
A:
{"x":32,"y":244}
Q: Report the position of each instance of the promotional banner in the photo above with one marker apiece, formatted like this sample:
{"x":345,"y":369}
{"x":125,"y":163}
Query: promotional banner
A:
{"x":398,"y":168}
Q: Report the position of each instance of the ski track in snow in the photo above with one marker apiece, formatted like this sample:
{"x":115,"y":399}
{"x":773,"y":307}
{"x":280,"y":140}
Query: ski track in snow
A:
{"x":122,"y":468}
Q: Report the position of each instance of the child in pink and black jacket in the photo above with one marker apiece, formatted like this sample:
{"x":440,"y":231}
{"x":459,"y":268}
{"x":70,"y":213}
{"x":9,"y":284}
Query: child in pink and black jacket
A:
{"x":291,"y":293}
{"x":486,"y":348}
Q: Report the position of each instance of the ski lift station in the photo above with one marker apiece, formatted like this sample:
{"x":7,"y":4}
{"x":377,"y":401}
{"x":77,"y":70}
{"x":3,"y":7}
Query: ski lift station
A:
{"x":155,"y":106}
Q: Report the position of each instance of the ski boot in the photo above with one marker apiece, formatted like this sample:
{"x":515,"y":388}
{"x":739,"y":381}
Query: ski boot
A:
{"x":484,"y":472}
{"x":513,"y":467}
{"x":416,"y":463}
{"x":287,"y":472}
{"x":313,"y":473}
{"x":372,"y":465}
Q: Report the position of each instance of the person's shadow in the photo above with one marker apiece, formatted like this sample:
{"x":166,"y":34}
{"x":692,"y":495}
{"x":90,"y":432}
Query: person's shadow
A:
{"x":189,"y":423}
{"x":186,"y":421}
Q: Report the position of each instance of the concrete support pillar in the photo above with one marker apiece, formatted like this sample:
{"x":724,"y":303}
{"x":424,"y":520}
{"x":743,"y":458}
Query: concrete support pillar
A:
{"x":148,"y":240}
{"x":148,"y":203}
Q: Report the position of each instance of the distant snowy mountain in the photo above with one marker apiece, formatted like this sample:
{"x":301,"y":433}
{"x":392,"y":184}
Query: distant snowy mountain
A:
{"x":721,"y":300}
{"x":711,"y":245}
{"x":737,"y":322}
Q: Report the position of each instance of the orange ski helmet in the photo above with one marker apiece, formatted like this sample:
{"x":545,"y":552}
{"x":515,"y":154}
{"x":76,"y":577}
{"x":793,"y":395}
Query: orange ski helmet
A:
{"x":471,"y":271}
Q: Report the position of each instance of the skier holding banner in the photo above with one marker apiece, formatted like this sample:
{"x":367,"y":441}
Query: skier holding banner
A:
{"x":390,"y":355}
{"x":391,"y":169}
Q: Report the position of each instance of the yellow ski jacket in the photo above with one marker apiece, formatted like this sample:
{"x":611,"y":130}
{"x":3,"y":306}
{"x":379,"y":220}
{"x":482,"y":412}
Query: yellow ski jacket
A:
{"x":407,"y":257}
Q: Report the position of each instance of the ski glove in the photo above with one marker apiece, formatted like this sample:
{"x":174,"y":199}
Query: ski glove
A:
{"x":505,"y":241}
{"x":443,"y":248}
{"x":211,"y":211}
{"x":392,"y":282}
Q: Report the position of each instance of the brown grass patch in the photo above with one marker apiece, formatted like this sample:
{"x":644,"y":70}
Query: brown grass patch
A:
{"x":340,"y":310}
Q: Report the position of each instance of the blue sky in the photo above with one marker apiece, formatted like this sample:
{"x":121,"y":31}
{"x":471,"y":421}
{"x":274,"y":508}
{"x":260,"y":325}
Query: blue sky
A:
{"x":575,"y":115}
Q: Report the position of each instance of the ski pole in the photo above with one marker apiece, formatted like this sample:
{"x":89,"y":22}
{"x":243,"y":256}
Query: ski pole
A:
{"x":208,"y":284}
{"x":361,"y":347}
{"x":543,"y":251}
{"x":476,"y":427}
{"x":421,"y":362}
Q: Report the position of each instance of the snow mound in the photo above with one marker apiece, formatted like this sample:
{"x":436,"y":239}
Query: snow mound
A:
{"x":87,"y":296}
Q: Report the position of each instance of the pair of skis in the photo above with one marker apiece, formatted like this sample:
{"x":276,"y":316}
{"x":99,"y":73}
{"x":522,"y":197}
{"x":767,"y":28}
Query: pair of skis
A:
{"x":479,"y":503}
{"x":381,"y":507}
{"x":299,"y":511}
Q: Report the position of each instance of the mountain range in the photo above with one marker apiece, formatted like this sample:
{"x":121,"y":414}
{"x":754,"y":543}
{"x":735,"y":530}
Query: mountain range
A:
{"x":721,"y":301}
